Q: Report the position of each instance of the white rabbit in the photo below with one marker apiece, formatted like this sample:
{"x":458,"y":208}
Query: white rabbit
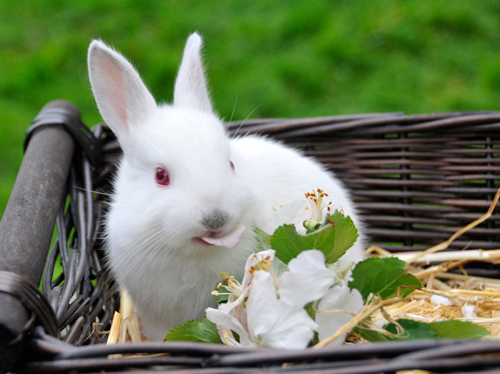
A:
{"x":186,"y":196}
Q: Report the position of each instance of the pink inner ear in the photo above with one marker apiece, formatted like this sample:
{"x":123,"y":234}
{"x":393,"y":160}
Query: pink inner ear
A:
{"x":117,"y":88}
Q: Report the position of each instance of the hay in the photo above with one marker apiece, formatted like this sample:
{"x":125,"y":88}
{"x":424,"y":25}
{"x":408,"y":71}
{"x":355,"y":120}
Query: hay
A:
{"x":125,"y":326}
{"x":459,"y":296}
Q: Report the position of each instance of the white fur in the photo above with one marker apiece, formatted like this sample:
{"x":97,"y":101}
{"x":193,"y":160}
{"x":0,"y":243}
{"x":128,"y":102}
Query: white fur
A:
{"x":151,"y":228}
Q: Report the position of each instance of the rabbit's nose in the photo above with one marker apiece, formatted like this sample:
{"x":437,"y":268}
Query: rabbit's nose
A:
{"x":215,"y":221}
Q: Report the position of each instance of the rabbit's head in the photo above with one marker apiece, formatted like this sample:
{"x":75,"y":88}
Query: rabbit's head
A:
{"x":178,"y":187}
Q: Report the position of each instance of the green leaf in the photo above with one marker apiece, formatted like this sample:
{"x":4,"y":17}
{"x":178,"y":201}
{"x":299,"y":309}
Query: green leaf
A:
{"x":222,"y":299}
{"x":453,"y":329}
{"x":415,"y":330}
{"x":370,"y":335}
{"x":345,"y":236}
{"x":195,"y":331}
{"x":288,"y":243}
{"x":448,"y":329}
{"x":383,"y":277}
{"x":263,"y":240}
{"x":263,"y":244}
{"x":334,"y":238}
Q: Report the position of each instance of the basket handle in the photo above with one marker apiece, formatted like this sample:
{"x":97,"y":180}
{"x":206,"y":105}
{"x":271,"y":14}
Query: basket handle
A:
{"x":28,"y":221}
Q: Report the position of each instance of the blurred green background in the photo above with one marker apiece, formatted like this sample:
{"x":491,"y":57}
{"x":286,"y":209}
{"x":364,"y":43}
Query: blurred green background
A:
{"x":264,"y":58}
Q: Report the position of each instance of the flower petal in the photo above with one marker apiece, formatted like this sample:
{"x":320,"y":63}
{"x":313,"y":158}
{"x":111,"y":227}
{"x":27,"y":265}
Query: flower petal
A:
{"x":228,"y":240}
{"x":228,"y":323}
{"x":230,"y":306}
{"x":294,"y":328}
{"x":295,"y":213}
{"x":338,"y":297}
{"x":253,"y":259}
{"x":308,"y":279}
{"x":262,"y":304}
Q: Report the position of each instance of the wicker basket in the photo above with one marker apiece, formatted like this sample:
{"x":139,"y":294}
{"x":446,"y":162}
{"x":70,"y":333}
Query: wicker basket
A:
{"x":416,"y":180}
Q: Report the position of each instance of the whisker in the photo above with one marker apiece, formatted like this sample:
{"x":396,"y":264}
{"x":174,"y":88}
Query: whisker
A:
{"x":247,"y":118}
{"x":234,"y":108}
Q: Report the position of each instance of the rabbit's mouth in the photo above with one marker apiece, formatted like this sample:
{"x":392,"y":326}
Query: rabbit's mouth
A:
{"x":223,"y":239}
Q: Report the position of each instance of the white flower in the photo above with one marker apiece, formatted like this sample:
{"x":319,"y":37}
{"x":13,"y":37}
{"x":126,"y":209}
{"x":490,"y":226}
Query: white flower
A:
{"x":258,"y":261}
{"x":308,"y":278}
{"x":232,"y":316}
{"x":320,"y":205}
{"x":227,"y":323}
{"x":274,"y":323}
{"x":316,"y":206}
{"x":329,"y":320}
{"x":271,"y":323}
{"x":236,"y":290}
{"x":267,"y":311}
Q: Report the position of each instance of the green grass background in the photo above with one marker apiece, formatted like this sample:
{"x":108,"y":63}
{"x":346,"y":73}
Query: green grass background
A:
{"x":264,"y":58}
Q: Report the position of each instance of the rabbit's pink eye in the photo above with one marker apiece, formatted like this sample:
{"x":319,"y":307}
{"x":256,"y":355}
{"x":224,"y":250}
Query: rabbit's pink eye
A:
{"x":232,"y":165}
{"x":162,"y":177}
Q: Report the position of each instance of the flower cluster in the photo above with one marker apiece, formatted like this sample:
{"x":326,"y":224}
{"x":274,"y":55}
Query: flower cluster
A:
{"x":285,"y":310}
{"x":268,"y":311}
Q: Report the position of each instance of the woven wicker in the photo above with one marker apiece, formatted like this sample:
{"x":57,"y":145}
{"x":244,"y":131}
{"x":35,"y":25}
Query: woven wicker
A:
{"x":416,"y":180}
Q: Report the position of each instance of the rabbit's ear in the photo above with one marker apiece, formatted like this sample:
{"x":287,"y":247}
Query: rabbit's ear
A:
{"x":122,"y":98}
{"x":190,"y":86}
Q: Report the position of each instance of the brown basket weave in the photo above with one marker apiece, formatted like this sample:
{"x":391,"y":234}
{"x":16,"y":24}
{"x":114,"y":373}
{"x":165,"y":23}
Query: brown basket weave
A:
{"x":416,"y":180}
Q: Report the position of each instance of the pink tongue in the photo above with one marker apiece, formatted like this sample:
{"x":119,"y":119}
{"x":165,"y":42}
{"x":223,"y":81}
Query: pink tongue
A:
{"x":229,"y":240}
